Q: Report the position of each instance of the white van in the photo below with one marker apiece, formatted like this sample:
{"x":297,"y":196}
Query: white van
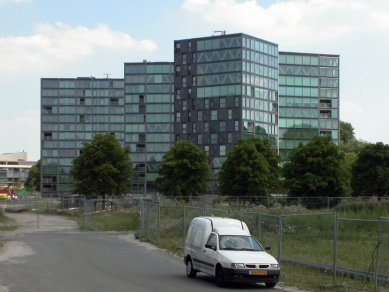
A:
{"x":224,"y":248}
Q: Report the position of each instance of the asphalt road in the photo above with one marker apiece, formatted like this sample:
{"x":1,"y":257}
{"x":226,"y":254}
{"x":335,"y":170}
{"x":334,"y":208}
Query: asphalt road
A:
{"x":89,"y":261}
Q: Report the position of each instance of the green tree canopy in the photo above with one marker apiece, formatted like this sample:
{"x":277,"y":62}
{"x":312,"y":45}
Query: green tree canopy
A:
{"x":103,"y":168}
{"x":34,"y":177}
{"x":251,"y":169}
{"x":346,"y":132}
{"x":184,"y":171}
{"x":315,"y":170}
{"x":370,"y":173}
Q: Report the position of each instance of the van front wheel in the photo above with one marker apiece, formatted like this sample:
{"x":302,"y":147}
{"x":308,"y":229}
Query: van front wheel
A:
{"x":190,"y":272}
{"x":219,"y":276}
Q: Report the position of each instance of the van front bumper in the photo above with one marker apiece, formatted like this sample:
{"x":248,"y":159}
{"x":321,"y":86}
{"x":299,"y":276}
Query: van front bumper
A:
{"x":243,"y":275}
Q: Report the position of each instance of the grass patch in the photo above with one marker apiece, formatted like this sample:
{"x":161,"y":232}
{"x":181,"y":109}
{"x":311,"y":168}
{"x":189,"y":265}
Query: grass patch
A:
{"x":7,"y":224}
{"x":121,"y":220}
{"x":318,"y":280}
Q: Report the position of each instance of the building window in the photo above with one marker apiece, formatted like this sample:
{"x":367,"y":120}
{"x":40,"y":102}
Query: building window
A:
{"x":222,"y":102}
{"x":200,"y":115}
{"x":206,"y":127}
{"x":214,"y":115}
{"x":184,"y":128}
{"x":82,"y":119}
{"x":178,"y":93}
{"x":183,"y":82}
{"x":194,"y":127}
{"x":230,"y":114}
{"x":213,"y":138}
{"x":236,"y":126}
{"x":82,"y":101}
{"x":194,"y":57}
{"x":236,"y":99}
{"x":47,"y":110}
{"x":47,"y":136}
{"x":113,"y":101}
{"x":222,"y":150}
{"x":194,"y":80}
{"x":184,"y":105}
{"x":229,"y":138}
{"x":206,"y":149}
{"x":199,"y":139}
{"x":183,"y":59}
{"x":178,"y":117}
{"x":222,"y":126}
{"x":206,"y":103}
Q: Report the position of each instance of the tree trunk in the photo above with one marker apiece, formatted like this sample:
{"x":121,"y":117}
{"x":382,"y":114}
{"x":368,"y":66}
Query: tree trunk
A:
{"x":103,"y":202}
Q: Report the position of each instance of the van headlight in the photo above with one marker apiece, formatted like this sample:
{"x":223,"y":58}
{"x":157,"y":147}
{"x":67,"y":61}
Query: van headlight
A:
{"x":275,"y":266}
{"x":234,"y":265}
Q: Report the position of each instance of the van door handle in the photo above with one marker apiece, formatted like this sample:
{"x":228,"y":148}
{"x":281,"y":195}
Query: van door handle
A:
{"x":204,"y":250}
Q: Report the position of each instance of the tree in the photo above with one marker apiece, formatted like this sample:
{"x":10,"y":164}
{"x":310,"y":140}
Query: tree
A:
{"x":346,"y":132}
{"x":370,"y":173}
{"x":103,"y":168}
{"x":249,"y":170}
{"x":34,"y":177}
{"x":184,"y":171}
{"x":315,"y":170}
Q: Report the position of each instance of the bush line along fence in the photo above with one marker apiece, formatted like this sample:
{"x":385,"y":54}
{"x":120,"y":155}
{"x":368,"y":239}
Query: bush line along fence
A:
{"x":352,"y":247}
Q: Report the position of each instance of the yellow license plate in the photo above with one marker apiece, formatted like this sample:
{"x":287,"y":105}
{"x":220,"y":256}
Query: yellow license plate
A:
{"x":258,"y":273}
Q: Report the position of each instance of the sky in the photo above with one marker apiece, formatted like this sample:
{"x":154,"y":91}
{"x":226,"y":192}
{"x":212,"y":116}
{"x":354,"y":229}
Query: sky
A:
{"x":73,"y":38}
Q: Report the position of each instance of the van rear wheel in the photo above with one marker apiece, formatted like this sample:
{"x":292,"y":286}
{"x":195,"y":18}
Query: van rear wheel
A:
{"x":219,"y":276}
{"x":190,"y":272}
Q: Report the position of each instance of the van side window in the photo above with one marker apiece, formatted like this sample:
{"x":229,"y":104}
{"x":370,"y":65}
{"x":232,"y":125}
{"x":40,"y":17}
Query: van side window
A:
{"x":212,"y":241}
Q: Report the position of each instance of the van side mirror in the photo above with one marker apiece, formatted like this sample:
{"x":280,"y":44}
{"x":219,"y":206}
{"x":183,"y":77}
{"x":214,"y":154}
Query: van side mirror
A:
{"x":267,"y":248}
{"x":210,"y":246}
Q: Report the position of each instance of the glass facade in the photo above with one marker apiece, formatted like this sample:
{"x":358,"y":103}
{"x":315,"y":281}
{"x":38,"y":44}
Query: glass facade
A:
{"x":148,"y":121}
{"x":226,"y":89}
{"x":308,"y":99}
{"x":73,"y":111}
{"x":219,"y":90}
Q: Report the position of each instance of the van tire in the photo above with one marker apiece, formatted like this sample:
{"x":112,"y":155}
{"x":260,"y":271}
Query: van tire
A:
{"x":219,"y":276}
{"x":270,"y":285}
{"x":190,"y":272}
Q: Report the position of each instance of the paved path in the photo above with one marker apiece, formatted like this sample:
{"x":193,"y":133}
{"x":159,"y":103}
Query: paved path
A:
{"x":63,"y":259}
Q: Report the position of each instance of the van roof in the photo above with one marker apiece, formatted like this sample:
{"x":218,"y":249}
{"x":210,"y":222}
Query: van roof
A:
{"x":226,"y":226}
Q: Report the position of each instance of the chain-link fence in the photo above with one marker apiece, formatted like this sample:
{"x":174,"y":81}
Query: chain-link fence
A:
{"x":351,"y":247}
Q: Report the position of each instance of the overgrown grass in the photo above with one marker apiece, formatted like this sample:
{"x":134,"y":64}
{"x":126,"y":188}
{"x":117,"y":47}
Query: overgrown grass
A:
{"x":120,"y":220}
{"x":7,"y":224}
{"x":319,"y":280}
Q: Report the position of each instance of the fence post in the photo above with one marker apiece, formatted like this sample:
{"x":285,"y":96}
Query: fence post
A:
{"x":148,"y":221}
{"x":378,"y":251}
{"x":142,"y":221}
{"x":279,"y":237}
{"x":183,"y":227}
{"x":259,"y":226}
{"x":37,"y":213}
{"x":158,"y":223}
{"x":335,"y":249}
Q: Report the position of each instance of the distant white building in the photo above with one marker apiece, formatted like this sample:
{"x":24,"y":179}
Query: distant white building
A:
{"x":14,"y":168}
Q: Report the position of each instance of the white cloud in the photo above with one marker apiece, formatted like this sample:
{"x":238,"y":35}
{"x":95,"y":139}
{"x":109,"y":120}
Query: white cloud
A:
{"x":350,"y":109}
{"x":14,"y":1}
{"x":53,"y":45}
{"x":308,"y":20}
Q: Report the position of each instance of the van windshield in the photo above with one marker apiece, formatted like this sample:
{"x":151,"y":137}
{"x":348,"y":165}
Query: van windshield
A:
{"x":239,"y":242}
